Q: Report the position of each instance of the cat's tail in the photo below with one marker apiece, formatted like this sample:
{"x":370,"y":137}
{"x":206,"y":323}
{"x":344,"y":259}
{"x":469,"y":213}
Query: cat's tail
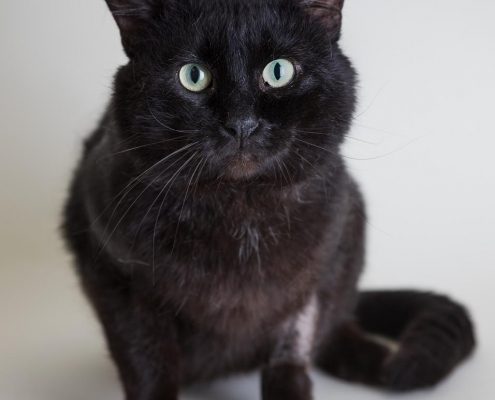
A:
{"x":428,"y":336}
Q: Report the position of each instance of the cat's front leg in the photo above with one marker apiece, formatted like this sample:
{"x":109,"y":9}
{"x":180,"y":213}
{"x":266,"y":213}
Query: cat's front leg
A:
{"x":141,"y":337}
{"x":286,"y":377}
{"x":147,"y":356}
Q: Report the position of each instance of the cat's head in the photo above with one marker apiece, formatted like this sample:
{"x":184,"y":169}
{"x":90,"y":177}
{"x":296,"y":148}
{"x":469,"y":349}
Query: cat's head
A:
{"x":239,"y":89}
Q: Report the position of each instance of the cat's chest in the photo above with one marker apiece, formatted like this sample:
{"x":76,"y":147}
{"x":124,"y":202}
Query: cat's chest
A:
{"x":260,"y":295}
{"x":245,"y":270}
{"x":245,"y":238}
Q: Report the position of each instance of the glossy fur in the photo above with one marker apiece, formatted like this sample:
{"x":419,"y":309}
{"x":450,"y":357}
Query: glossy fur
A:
{"x":220,"y":232}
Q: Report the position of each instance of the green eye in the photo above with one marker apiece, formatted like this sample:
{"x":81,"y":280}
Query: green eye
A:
{"x":195,"y":77}
{"x":279,"y":73}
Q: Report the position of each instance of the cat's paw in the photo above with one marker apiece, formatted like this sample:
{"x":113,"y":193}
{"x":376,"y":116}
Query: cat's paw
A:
{"x":286,"y":382}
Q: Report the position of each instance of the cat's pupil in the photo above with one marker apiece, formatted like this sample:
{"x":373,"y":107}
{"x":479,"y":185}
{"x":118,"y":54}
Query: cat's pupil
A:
{"x":277,"y":71}
{"x":195,"y":74}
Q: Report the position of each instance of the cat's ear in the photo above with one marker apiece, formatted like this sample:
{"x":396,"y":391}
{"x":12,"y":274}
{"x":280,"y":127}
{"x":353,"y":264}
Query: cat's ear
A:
{"x":328,"y":12}
{"x":133,"y":17}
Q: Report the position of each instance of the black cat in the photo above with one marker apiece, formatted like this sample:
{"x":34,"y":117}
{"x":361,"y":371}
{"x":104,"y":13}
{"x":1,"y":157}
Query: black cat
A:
{"x":215,"y":226}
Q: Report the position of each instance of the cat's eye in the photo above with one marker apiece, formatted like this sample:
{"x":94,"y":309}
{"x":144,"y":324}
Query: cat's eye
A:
{"x":195,"y":77}
{"x":279,"y":73}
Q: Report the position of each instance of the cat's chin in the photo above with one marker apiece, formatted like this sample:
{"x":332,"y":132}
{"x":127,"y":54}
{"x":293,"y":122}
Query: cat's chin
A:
{"x":242,"y":166}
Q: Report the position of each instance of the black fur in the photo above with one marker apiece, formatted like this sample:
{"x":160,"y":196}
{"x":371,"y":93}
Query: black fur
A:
{"x":206,"y":251}
{"x":434,"y":335}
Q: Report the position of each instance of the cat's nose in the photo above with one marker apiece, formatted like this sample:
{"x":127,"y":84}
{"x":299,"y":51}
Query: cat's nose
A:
{"x":242,"y":128}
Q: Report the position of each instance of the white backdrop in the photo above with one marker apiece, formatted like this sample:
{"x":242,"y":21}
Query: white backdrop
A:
{"x":422,"y":147}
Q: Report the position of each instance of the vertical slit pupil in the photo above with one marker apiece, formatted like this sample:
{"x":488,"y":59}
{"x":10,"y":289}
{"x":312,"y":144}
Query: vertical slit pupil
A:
{"x":277,"y":71}
{"x":195,"y":74}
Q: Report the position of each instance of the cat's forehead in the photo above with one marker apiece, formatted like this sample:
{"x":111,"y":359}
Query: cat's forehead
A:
{"x":240,"y":28}
{"x":237,"y":16}
{"x":234,"y":8}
